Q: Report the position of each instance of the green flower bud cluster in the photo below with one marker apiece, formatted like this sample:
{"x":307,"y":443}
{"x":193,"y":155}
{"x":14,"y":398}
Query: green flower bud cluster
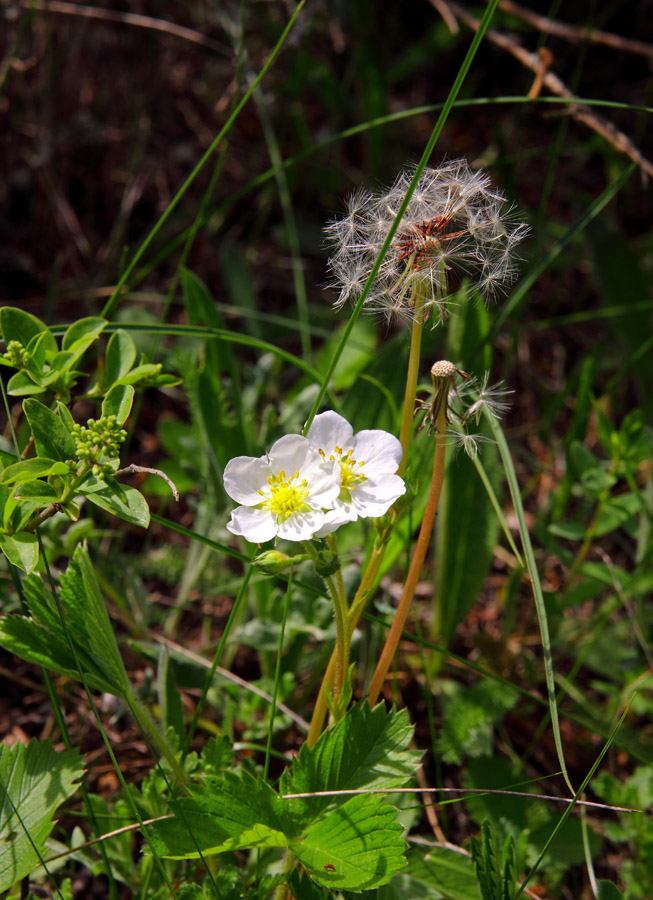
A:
{"x":99,"y":441}
{"x":17,"y":355}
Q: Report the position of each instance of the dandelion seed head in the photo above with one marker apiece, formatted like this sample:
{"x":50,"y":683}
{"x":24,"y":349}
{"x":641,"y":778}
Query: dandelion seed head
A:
{"x":455,"y":226}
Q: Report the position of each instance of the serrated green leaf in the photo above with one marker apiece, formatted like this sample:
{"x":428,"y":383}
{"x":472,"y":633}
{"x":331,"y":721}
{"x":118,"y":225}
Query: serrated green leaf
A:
{"x":88,"y":619}
{"x":120,"y":356}
{"x":118,"y":402}
{"x":21,"y":550}
{"x":51,"y":437}
{"x":357,"y":846}
{"x":218,"y":754}
{"x":191,"y":892}
{"x":44,"y":640}
{"x":34,"y":781}
{"x":120,"y":500}
{"x":445,"y":871}
{"x":227,"y":813}
{"x":18,"y":325}
{"x":82,"y":333}
{"x":41,"y":604}
{"x":367,"y":749}
{"x":23,"y":385}
{"x":30,"y":469}
{"x":29,"y":641}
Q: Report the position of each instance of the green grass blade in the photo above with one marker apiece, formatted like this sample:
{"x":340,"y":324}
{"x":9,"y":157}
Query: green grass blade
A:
{"x":355,"y":130}
{"x":435,"y":134}
{"x":570,"y":807}
{"x":111,"y":302}
{"x":536,"y":586}
{"x":592,"y":211}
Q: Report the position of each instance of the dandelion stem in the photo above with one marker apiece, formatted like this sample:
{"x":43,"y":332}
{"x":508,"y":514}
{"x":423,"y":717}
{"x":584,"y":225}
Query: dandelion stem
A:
{"x":406,"y":431}
{"x":421,"y":547}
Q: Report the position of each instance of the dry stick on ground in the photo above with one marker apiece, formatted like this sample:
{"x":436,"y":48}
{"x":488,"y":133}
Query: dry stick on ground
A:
{"x":576,"y":109}
{"x":572,"y":33}
{"x":92,"y":12}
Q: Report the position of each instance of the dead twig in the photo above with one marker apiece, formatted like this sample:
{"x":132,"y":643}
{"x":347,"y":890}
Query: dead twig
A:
{"x":576,"y":109}
{"x":148,"y":471}
{"x":138,"y":21}
{"x":573,"y":33}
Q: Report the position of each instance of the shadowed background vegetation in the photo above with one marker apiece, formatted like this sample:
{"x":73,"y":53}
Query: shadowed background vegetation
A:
{"x":104,"y":112}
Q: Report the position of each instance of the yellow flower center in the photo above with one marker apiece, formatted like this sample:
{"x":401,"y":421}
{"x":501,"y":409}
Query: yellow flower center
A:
{"x":287,"y":495}
{"x":350,"y":470}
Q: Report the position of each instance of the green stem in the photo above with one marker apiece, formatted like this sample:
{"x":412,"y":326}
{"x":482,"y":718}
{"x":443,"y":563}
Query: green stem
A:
{"x":277,"y":677}
{"x":111,"y":302}
{"x":143,"y":717}
{"x":336,"y":590}
{"x":421,"y":547}
{"x":40,"y":517}
{"x":408,"y":412}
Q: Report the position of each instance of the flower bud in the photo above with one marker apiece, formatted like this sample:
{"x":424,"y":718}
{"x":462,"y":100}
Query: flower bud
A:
{"x":272,"y":562}
{"x":326,"y":563}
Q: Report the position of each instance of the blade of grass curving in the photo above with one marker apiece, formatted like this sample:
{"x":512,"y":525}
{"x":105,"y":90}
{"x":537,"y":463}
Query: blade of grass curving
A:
{"x":589,"y":865}
{"x":590,"y":315}
{"x":587,"y":724}
{"x":144,"y":721}
{"x":529,"y":280}
{"x":111,"y":302}
{"x":49,"y":686}
{"x":220,"y":334}
{"x":217,"y":657}
{"x":435,"y":134}
{"x":355,"y":130}
{"x":289,"y":223}
{"x":277,"y":676}
{"x":576,"y":797}
{"x":224,"y":548}
{"x":98,"y":720}
{"x":497,"y":508}
{"x":208,"y":193}
{"x":88,"y":806}
{"x":531,"y":565}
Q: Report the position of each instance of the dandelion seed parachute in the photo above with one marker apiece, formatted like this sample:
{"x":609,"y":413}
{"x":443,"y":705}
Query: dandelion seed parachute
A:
{"x":455,"y":226}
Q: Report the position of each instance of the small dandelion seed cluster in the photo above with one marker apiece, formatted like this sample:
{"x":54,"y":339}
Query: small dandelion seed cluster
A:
{"x":467,"y":399}
{"x":17,"y":355}
{"x":455,"y":226}
{"x":99,"y":441}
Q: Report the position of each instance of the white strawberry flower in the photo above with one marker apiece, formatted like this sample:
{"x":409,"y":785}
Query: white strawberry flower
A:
{"x":368,"y":464}
{"x":282,"y":494}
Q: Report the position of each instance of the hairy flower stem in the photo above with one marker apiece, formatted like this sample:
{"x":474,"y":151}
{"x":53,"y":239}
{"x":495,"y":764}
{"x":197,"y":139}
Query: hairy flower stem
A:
{"x":408,"y":413}
{"x":374,"y":564}
{"x":335,"y":587}
{"x":421,"y":547}
{"x":354,"y":614}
